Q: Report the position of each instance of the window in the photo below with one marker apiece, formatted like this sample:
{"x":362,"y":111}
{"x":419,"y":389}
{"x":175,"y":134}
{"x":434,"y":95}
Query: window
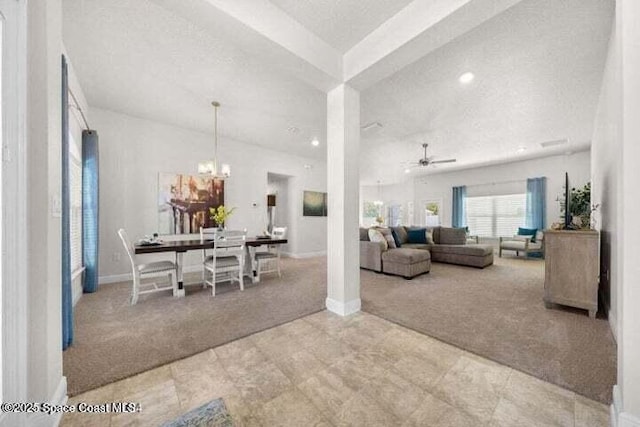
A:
{"x":494,"y":216}
{"x":370,"y":211}
{"x":75,"y":205}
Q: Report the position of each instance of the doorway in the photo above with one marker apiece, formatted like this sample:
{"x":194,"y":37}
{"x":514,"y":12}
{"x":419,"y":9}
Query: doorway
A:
{"x":279,"y":214}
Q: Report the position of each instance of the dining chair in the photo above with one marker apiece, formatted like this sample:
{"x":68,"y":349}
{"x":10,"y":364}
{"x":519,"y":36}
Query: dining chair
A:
{"x":269,"y":261}
{"x":226,"y":261}
{"x":151,"y":269}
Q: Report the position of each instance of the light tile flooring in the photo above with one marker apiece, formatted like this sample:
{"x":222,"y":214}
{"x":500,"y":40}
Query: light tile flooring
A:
{"x":325,"y":370}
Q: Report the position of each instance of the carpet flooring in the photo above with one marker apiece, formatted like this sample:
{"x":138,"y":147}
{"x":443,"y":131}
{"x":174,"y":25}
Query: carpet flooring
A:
{"x":114,"y":340}
{"x":498,"y":313}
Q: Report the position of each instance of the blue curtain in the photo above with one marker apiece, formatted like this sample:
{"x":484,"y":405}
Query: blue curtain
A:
{"x":536,"y":203}
{"x":67,"y":297}
{"x":458,"y":217}
{"x":90,"y":200}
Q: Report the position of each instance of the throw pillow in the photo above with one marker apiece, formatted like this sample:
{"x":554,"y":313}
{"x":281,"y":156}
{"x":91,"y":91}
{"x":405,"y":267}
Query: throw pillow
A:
{"x":376,"y":236}
{"x":528,"y":232}
{"x":396,"y":238}
{"x":386,"y":232}
{"x":401,"y":232}
{"x":429,"y":237}
{"x":417,"y":235}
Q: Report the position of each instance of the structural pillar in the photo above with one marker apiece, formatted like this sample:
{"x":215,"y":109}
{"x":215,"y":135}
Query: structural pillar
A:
{"x":343,"y":188}
{"x":626,"y":395}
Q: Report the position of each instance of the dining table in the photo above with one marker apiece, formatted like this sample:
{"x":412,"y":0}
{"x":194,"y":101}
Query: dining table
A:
{"x":182,"y":246}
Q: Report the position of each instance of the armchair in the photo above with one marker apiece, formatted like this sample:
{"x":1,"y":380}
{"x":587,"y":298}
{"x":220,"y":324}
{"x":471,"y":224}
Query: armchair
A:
{"x":522,"y":244}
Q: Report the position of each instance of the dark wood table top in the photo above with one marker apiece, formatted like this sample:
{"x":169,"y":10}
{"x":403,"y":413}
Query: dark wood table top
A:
{"x":194,"y":244}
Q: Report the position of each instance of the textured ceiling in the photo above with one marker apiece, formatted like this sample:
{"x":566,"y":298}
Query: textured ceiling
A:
{"x":538,"y":69}
{"x":341,"y":23}
{"x":138,"y":58}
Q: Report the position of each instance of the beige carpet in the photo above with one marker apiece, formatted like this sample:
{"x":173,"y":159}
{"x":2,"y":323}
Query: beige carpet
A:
{"x":498,"y":313}
{"x":114,"y":340}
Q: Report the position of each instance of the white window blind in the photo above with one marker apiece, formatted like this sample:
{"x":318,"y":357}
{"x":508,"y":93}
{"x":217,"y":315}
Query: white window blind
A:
{"x":75,"y":196}
{"x":494,"y":216}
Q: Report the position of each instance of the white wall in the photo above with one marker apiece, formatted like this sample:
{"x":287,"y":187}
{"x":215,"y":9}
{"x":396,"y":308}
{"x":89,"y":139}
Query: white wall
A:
{"x":439,"y":186}
{"x":132,"y":153}
{"x":615,"y":186}
{"x":44,"y":359}
{"x":628,"y":406}
{"x":606,"y":177}
{"x":483,"y":179}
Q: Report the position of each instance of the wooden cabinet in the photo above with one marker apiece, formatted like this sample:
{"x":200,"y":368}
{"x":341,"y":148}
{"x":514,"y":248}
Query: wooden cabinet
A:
{"x":572,"y":269}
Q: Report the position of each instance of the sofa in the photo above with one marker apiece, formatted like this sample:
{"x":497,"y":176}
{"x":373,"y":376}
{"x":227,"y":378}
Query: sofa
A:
{"x":449,"y":246}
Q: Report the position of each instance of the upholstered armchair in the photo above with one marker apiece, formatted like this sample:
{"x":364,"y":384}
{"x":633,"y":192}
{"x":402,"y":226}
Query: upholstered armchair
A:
{"x":522,"y":244}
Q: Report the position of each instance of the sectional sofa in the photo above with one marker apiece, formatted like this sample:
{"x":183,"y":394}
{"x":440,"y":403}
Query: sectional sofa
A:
{"x":411,"y":259}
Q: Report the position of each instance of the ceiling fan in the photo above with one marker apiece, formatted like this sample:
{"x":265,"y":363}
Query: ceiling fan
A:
{"x":426,"y":161}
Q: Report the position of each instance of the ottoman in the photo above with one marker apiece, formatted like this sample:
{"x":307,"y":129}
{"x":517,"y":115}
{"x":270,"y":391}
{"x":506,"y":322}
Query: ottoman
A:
{"x":406,"y":262}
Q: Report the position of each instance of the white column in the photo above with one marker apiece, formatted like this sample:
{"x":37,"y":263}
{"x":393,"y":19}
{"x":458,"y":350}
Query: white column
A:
{"x":343,"y":187}
{"x":627,"y":394}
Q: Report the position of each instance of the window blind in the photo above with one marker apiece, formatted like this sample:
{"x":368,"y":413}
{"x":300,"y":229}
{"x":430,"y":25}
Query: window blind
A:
{"x":75,"y":205}
{"x":494,"y":216}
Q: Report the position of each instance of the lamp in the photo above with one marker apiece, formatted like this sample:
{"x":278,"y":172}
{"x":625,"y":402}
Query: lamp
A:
{"x":210,"y":167}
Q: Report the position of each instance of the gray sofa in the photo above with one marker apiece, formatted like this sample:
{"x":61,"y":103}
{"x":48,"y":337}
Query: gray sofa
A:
{"x":449,"y":246}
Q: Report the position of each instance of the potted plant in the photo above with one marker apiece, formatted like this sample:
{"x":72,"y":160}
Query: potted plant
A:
{"x":220,"y":215}
{"x":581,"y":208}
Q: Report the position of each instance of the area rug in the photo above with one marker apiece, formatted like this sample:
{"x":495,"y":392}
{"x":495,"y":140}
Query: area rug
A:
{"x":498,"y":313}
{"x":212,"y":414}
{"x":115,"y":340}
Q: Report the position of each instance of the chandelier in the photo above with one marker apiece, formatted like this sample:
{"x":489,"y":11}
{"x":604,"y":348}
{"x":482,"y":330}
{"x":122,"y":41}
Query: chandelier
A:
{"x":210,"y":167}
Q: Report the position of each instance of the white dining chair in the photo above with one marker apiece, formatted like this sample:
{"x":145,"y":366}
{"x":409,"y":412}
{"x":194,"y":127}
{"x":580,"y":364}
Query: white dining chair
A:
{"x":226,"y":259}
{"x":151,"y":269}
{"x":269,"y":260}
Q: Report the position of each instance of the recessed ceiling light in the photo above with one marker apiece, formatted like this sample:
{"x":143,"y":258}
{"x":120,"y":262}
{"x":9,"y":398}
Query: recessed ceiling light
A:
{"x":307,"y":166}
{"x":522,"y":149}
{"x":407,"y":170}
{"x":315,"y":142}
{"x":466,"y":78}
{"x":293,"y":129}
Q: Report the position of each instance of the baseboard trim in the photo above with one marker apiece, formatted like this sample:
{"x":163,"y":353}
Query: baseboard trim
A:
{"x":59,"y":397}
{"x":305,"y":254}
{"x":343,"y":309}
{"x":619,"y":418}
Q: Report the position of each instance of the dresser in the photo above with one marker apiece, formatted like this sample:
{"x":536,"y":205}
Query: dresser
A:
{"x":572,"y":269}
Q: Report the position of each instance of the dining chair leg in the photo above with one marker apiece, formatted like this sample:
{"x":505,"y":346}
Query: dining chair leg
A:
{"x":135,"y":289}
{"x":278,"y":261}
{"x":240,"y":273}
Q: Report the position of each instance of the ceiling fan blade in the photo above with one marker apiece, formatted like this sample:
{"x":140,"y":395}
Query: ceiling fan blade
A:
{"x":443,"y":161}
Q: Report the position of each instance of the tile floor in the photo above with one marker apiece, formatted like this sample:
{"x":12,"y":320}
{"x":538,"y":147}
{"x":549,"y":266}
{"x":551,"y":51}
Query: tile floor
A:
{"x":325,"y":370}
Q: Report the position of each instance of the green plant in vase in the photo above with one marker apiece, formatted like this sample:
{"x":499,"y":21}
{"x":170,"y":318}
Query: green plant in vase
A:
{"x":220,"y":215}
{"x":580,"y":206}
